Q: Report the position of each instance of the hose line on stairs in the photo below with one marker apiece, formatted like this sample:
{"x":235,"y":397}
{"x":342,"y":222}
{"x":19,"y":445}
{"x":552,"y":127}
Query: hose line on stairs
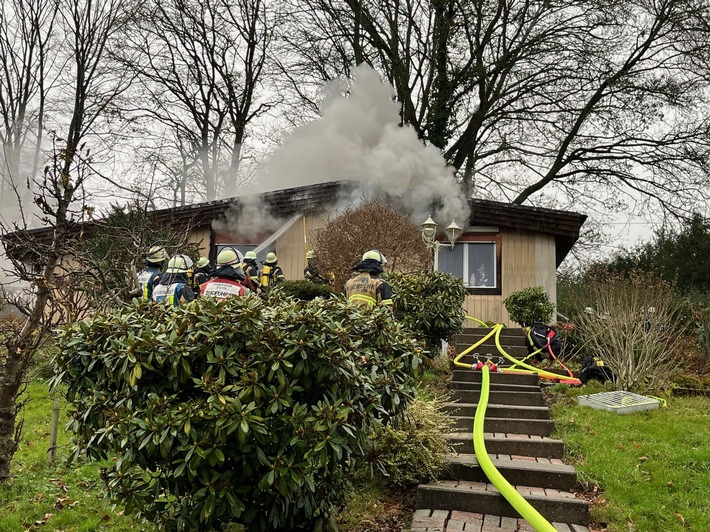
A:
{"x":517,"y":501}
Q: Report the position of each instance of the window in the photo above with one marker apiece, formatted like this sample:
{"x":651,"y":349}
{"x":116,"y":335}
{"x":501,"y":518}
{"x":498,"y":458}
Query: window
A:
{"x":476,"y":262}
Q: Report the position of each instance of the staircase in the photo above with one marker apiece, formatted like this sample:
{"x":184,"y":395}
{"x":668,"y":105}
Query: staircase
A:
{"x":517,"y":437}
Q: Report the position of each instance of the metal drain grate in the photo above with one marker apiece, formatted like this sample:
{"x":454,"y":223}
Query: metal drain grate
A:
{"x":620,"y":402}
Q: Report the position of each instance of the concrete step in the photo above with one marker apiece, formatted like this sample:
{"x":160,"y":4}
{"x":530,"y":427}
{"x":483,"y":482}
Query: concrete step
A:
{"x":537,"y":427}
{"x":517,"y":349}
{"x":502,"y":398}
{"x":513,"y":334}
{"x":509,"y":443}
{"x":505,"y":331}
{"x":496,"y":410}
{"x":427,"y":520}
{"x":456,"y":384}
{"x":470,"y":375}
{"x":481,"y":497}
{"x":518,"y":470}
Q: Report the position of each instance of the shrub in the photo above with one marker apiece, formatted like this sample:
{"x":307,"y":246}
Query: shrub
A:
{"x":429,"y":304}
{"x":636,"y":325}
{"x":235,"y":410}
{"x":340,"y":244}
{"x":415,"y":450}
{"x":304,"y":290}
{"x":529,"y":305}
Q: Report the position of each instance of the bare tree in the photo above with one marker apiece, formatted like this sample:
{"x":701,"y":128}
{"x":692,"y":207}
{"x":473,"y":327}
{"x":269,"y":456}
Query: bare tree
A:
{"x":26,"y":27}
{"x":525,"y":96}
{"x":201,"y":65}
{"x":89,"y":29}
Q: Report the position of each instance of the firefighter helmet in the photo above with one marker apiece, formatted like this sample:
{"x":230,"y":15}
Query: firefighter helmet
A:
{"x":202,"y":262}
{"x":373,"y":254}
{"x":310,"y":254}
{"x":271,"y":258}
{"x":250,"y":255}
{"x":179,"y":264}
{"x":156,"y":254}
{"x":228,"y":255}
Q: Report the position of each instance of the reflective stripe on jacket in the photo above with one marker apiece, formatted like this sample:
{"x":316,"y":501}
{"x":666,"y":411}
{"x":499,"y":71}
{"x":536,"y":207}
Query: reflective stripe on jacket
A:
{"x":171,"y":293}
{"x":367,"y":290}
{"x":147,"y":278}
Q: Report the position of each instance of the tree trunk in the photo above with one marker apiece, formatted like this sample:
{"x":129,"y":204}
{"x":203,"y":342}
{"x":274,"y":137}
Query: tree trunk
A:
{"x":9,"y":387}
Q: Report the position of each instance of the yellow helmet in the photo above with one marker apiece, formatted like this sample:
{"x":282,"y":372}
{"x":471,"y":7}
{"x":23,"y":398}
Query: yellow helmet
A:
{"x":228,"y":255}
{"x":202,"y":262}
{"x":251,"y":255}
{"x":179,"y":264}
{"x":271,"y":258}
{"x":373,"y":254}
{"x":310,"y":254}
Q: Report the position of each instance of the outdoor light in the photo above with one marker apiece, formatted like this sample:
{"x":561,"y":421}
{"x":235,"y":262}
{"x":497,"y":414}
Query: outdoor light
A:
{"x":429,"y":231}
{"x":453,"y":232}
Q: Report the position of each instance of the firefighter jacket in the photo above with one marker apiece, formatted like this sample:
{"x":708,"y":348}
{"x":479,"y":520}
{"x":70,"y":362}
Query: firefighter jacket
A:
{"x":200,"y":277}
{"x":251,"y":273}
{"x":271,"y":274}
{"x":173,"y":289}
{"x":221,"y":288}
{"x":148,"y":277}
{"x":368,"y":289}
{"x":312,"y":274}
{"x":228,"y":281}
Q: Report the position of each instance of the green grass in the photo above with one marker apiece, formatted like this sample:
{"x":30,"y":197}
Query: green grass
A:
{"x":58,"y":497}
{"x":71,"y":498}
{"x":652,"y":469}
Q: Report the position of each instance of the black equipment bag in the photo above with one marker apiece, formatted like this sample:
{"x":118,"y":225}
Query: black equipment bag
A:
{"x":540,"y":334}
{"x":593,"y":368}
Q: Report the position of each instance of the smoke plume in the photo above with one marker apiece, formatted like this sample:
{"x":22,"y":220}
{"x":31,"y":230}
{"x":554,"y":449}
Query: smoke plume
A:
{"x":359,"y":138}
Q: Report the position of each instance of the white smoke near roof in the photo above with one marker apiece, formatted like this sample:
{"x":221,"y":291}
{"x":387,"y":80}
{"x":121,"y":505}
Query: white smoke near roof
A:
{"x":359,"y":138}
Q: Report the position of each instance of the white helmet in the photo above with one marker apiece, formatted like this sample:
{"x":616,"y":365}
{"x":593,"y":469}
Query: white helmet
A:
{"x":179,"y":264}
{"x":156,"y":254}
{"x":228,"y":255}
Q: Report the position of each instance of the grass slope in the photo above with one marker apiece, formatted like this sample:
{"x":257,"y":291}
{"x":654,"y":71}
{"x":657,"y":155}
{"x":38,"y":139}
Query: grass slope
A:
{"x":652,"y":468}
{"x":44,"y":497}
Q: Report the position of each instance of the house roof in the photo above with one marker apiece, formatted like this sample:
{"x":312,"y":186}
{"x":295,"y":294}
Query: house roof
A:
{"x":563,"y":225}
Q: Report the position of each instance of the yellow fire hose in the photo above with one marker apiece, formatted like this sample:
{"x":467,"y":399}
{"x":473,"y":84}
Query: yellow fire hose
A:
{"x":495,"y":330}
{"x":523,"y":507}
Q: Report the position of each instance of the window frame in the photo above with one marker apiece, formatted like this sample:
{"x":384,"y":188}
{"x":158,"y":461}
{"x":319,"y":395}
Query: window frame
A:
{"x":483,"y":239}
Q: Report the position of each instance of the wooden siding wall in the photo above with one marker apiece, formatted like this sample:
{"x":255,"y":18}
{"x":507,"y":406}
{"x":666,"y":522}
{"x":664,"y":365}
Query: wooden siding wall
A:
{"x":528,"y":259}
{"x":291,"y":247}
{"x":201,"y":237}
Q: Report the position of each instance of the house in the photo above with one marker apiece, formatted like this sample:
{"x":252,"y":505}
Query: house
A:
{"x":503,"y":248}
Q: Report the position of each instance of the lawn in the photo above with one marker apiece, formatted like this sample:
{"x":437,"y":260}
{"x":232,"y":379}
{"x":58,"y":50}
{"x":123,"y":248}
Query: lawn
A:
{"x":651,"y":469}
{"x":44,"y":497}
{"x":651,"y":472}
{"x":70,"y":498}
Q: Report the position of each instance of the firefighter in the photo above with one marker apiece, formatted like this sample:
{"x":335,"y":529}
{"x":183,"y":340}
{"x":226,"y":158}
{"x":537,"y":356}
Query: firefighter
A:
{"x":174,"y":286}
{"x":271,"y":272}
{"x":228,"y":277}
{"x":251,"y":271}
{"x":202,"y":273}
{"x":311,"y":272}
{"x":367,"y":288}
{"x":149,"y":276}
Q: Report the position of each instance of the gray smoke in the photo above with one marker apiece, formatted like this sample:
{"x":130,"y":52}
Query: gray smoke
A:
{"x":358,"y":138}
